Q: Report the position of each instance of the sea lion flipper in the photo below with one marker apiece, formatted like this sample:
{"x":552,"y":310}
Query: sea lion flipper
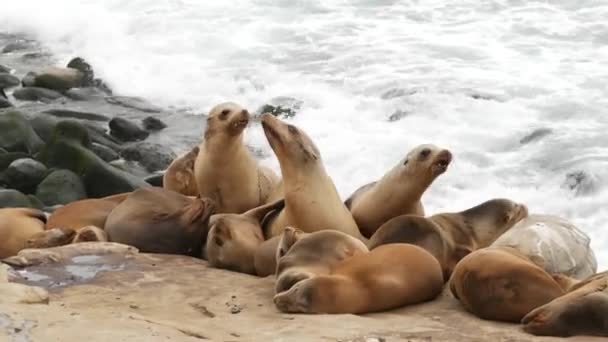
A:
{"x":259,"y":213}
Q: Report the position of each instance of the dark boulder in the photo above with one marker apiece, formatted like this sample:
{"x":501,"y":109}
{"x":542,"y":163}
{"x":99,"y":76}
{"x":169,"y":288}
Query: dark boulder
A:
{"x":153,"y":157}
{"x":16,"y":46}
{"x":281,"y":106}
{"x":59,"y":79}
{"x":5,"y":69}
{"x":16,"y":133}
{"x":153,"y":124}
{"x":7,"y":158}
{"x":104,"y":152}
{"x":36,"y":94}
{"x":126,"y":130}
{"x":75,"y":114}
{"x":4,"y":103}
{"x":134,"y":103}
{"x":10,"y":198}
{"x":61,"y":187}
{"x":8,"y":81}
{"x":25,"y":174}
{"x":85,"y":94}
{"x":29,"y":79}
{"x":85,"y":68}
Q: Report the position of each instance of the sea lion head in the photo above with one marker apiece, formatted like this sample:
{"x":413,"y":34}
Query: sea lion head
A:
{"x":226,"y":118}
{"x":289,"y":237}
{"x":289,"y":142}
{"x":492,"y":218}
{"x":426,"y":161}
{"x":51,"y":238}
{"x":298,"y":298}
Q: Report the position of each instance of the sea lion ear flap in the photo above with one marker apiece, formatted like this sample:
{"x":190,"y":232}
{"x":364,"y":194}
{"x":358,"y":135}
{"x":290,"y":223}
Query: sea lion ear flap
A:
{"x":289,"y":237}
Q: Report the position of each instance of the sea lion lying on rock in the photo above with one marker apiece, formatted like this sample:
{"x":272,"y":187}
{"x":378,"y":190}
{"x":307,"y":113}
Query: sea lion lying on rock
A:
{"x":51,"y":238}
{"x":88,"y":212}
{"x":17,"y":225}
{"x":156,"y":220}
{"x":399,"y":191}
{"x":385,"y":278}
{"x":451,"y":236}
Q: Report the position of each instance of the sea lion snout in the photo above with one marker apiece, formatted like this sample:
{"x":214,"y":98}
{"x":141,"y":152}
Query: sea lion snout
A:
{"x":442,"y":161}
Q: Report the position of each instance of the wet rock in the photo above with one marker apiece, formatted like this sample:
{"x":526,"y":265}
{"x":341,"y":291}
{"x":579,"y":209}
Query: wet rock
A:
{"x":16,"y":133}
{"x":35,"y":202}
{"x":61,"y":187}
{"x":85,"y":68}
{"x":75,"y":114}
{"x":103,"y":86}
{"x":155,"y":180}
{"x":36,"y":94}
{"x":85,"y":94}
{"x":35,"y":55}
{"x":7,"y":158}
{"x":134,"y":102}
{"x":281,"y":106}
{"x":126,"y":130}
{"x":29,"y":79}
{"x":10,"y":198}
{"x":16,"y":46}
{"x":8,"y":81}
{"x":131,"y":167}
{"x":59,"y":79}
{"x":5,"y":69}
{"x":4,"y":103}
{"x":581,"y":182}
{"x":25,"y":174}
{"x":153,"y":157}
{"x":43,"y":125}
{"x":104,"y":152}
{"x":536,"y":135}
{"x":68,"y":149}
{"x":397,"y":92}
{"x":398,"y":115}
{"x":153,"y":124}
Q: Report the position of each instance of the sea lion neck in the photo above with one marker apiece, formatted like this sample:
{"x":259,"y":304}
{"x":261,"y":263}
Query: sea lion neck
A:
{"x":230,"y":146}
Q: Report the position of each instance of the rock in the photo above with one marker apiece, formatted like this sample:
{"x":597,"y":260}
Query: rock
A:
{"x":134,"y":102}
{"x":29,"y":79}
{"x":8,"y":81}
{"x":4,"y":103}
{"x":103,"y":86}
{"x":153,"y":124}
{"x":126,"y":130}
{"x":16,"y":133}
{"x":75,"y":114}
{"x":581,"y":182}
{"x":43,"y":125}
{"x":25,"y":174}
{"x":35,"y":202}
{"x":5,"y":69}
{"x":398,"y":115}
{"x":59,"y":79}
{"x":104,"y":152}
{"x":153,"y":157}
{"x":281,"y":106}
{"x":36,"y":94}
{"x":10,"y":198}
{"x":27,"y":57}
{"x":68,"y":149}
{"x":130,"y":167}
{"x":61,"y":187}
{"x":85,"y":94}
{"x":22,"y":294}
{"x":536,"y":135}
{"x":155,"y":180}
{"x":85,"y":68}
{"x":16,"y":46}
{"x":7,"y":158}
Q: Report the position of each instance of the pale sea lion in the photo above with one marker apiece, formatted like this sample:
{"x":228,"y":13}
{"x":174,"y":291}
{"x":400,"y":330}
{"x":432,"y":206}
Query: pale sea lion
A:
{"x":451,"y":236}
{"x":312,"y":202}
{"x":225,"y":170}
{"x":399,"y":191}
{"x":581,"y":311}
{"x":51,"y":238}
{"x":156,"y":220}
{"x":234,"y":238}
{"x":17,"y":225}
{"x":87,"y":212}
{"x":179,"y":176}
{"x":388,"y":277}
{"x":501,"y":284}
{"x":303,"y":255}
{"x":557,"y":243}
{"x":90,"y":234}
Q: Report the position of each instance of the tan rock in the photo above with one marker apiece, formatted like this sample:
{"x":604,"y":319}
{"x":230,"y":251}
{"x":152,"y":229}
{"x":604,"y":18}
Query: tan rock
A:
{"x":59,"y":79}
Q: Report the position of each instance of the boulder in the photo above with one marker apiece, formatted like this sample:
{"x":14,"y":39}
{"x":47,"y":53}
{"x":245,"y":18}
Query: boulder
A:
{"x":126,"y":130}
{"x":16,"y":46}
{"x":68,"y":149}
{"x":29,"y":79}
{"x":103,"y":86}
{"x":35,"y":202}
{"x":581,"y":182}
{"x":61,"y":187}
{"x":10,"y":198}
{"x":153,"y":157}
{"x":134,"y":102}
{"x":85,"y":68}
{"x":76,"y":114}
{"x":59,"y":79}
{"x":8,"y":81}
{"x":104,"y":152}
{"x":16,"y":133}
{"x":25,"y":174}
{"x":153,"y":124}
{"x":5,"y":69}
{"x":536,"y":135}
{"x":4,"y":103}
{"x":36,"y":94}
{"x":155,"y":180}
{"x":7,"y":158}
{"x":85,"y":94}
{"x":281,"y":106}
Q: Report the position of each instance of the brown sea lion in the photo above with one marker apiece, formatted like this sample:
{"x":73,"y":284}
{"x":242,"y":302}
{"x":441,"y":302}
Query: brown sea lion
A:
{"x":17,"y":225}
{"x":388,"y":277}
{"x":179,"y":176}
{"x":234,"y":238}
{"x":225,"y":170}
{"x":51,"y":238}
{"x":399,"y":191}
{"x":451,"y":236}
{"x":265,"y":259}
{"x":581,"y":311}
{"x":312,"y":202}
{"x":90,"y":234}
{"x":501,"y":284}
{"x":156,"y":220}
{"x":88,"y":212}
{"x":303,"y":255}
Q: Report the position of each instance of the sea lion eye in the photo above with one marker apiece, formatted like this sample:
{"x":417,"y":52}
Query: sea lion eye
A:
{"x":292,"y":129}
{"x":425,"y":153}
{"x":224,"y":114}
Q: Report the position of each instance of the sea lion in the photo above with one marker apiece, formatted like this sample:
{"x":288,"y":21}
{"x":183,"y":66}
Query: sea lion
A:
{"x":17,"y":225}
{"x":179,"y":176}
{"x":557,"y":243}
{"x":502,"y":284}
{"x":90,"y":234}
{"x":156,"y":220}
{"x":233,"y":238}
{"x":87,"y":212}
{"x":385,"y":278}
{"x":224,"y":169}
{"x":399,"y":191}
{"x":301,"y":255}
{"x":265,"y":259}
{"x":451,"y":236}
{"x":312,"y":202}
{"x":51,"y":238}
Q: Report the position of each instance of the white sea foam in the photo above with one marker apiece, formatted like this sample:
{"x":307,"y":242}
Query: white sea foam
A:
{"x":544,"y":63}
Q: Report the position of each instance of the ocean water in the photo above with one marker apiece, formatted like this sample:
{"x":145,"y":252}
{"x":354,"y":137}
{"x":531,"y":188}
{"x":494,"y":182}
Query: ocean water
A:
{"x":473,"y":76}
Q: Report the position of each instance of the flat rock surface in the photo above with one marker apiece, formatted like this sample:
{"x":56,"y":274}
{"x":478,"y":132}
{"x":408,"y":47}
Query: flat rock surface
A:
{"x":153,"y":297}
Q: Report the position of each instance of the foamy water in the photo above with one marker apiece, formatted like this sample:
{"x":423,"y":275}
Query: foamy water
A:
{"x":354,"y":63}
